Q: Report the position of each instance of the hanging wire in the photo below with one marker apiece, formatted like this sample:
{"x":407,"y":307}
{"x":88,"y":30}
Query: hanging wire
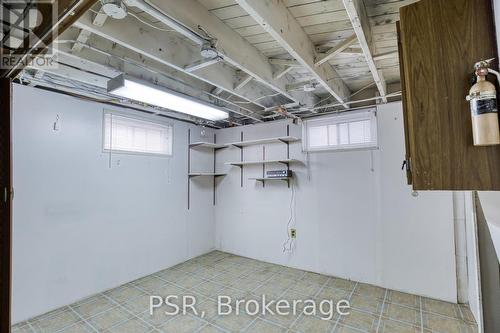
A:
{"x":288,"y":244}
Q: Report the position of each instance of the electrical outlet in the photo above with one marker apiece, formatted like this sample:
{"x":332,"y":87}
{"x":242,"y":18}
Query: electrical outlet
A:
{"x":293,"y":233}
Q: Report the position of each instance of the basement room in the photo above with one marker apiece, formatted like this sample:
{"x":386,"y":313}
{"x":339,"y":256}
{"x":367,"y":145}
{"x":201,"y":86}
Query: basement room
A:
{"x":254,"y":166}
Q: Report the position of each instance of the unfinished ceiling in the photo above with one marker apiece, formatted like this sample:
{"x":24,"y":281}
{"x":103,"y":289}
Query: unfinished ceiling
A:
{"x":272,"y":59}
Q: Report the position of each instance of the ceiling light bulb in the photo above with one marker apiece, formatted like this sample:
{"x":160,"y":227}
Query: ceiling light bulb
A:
{"x":208,"y":51}
{"x":114,"y":8}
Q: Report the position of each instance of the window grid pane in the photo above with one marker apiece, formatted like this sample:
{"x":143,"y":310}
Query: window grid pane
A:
{"x":340,"y":132}
{"x":333,"y":137}
{"x":318,"y":136}
{"x":136,"y":136}
{"x":343,"y":133}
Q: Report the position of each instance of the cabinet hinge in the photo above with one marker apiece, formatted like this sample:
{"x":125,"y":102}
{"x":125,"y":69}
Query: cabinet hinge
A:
{"x":8,"y":194}
{"x":406,"y":165}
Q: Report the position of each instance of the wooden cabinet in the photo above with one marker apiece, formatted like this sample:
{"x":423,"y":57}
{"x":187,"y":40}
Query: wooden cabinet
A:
{"x":406,"y":164}
{"x":440,"y":40}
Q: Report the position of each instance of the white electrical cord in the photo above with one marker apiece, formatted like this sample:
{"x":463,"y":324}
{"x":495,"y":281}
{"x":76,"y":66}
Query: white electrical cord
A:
{"x":149,"y":24}
{"x":140,"y":20}
{"x":288,"y":244}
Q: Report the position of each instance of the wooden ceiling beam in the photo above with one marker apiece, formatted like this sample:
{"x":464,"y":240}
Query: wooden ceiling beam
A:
{"x":82,"y":38}
{"x":337,"y":49}
{"x":243,"y":82}
{"x":170,"y":50}
{"x":100,"y":18}
{"x":356,"y":11}
{"x":188,"y":16}
{"x":353,"y":50}
{"x":284,"y":62}
{"x":386,"y":55}
{"x":201,"y":64}
{"x":282,"y":72}
{"x":274,"y":17}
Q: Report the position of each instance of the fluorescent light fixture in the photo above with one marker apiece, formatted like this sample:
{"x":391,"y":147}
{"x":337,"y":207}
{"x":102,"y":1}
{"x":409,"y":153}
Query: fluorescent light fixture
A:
{"x":124,"y":87}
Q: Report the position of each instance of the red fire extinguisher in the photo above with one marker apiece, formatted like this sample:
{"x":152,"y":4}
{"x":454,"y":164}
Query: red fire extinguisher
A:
{"x":483,"y":106}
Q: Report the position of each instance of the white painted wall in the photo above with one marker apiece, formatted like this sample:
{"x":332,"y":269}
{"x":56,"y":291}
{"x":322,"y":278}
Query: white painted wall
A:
{"x":351,"y":222}
{"x":490,"y":202}
{"x":496,"y":8}
{"x":459,"y":213}
{"x":80,"y":227}
{"x":474,"y":284}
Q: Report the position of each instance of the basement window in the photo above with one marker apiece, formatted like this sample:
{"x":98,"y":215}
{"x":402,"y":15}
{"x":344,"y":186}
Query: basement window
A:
{"x":353,"y":130}
{"x":131,"y":135}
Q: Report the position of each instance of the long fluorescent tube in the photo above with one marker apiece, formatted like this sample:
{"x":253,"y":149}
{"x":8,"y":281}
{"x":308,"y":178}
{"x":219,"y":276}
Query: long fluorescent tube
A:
{"x":130,"y":89}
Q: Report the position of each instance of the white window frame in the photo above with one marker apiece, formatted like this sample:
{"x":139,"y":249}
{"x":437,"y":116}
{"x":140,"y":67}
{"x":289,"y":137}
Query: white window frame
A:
{"x":140,"y":119}
{"x":347,"y":117}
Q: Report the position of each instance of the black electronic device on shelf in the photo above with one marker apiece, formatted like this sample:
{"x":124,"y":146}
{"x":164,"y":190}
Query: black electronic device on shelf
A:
{"x":279,"y":174}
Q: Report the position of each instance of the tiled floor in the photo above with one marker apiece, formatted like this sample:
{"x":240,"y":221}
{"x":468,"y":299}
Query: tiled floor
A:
{"x":126,"y":309}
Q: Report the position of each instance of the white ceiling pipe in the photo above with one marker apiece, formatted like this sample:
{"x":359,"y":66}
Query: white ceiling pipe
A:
{"x":395,"y":94}
{"x":171,"y":22}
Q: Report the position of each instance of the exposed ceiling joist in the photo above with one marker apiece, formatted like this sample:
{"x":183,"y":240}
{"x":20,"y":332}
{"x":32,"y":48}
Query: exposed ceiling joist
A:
{"x":103,"y":57}
{"x":385,"y":55}
{"x":170,"y":50}
{"x":217,"y":91}
{"x":284,"y":62}
{"x":169,"y":20}
{"x":243,"y":82}
{"x":90,"y":76}
{"x":353,"y":50}
{"x":202,"y":64}
{"x":300,"y":85}
{"x":110,"y":60}
{"x":231,"y":46}
{"x":82,"y":38}
{"x":274,"y":17}
{"x":99,"y":18}
{"x":337,"y":49}
{"x":282,"y":72}
{"x":359,"y":18}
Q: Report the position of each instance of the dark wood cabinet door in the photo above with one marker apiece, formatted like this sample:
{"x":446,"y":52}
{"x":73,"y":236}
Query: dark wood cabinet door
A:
{"x":407,"y":161}
{"x":5,"y":203}
{"x":441,"y":41}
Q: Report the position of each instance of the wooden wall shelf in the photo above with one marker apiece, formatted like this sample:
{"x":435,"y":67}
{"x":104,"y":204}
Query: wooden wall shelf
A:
{"x":285,"y":161}
{"x":206,"y":174}
{"x":213,"y":146}
{"x":207,"y":145}
{"x":283,"y":139}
